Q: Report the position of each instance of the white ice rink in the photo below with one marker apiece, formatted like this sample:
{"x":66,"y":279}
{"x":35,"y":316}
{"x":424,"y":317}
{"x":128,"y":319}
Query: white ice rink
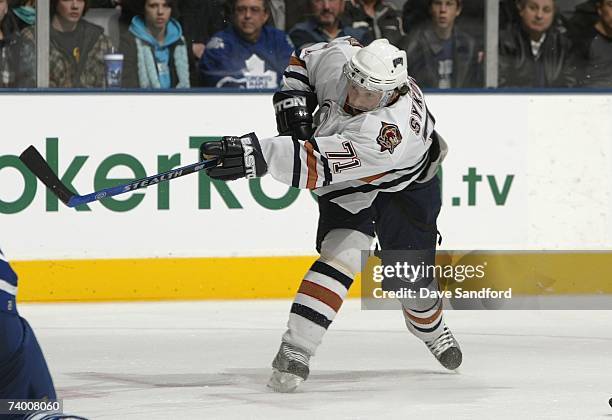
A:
{"x":209,"y":360}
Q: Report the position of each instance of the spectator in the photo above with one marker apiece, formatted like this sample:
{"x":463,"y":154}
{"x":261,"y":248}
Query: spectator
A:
{"x":582,"y":20}
{"x":534,"y":53}
{"x":247,"y":54}
{"x":381,"y":19}
{"x":203,"y":18}
{"x":76,"y":49}
{"x":416,"y":13}
{"x":397,"y":4}
{"x":25,"y":12}
{"x":194,"y":20}
{"x":286,"y":13}
{"x":156,"y":54}
{"x":325,"y":24}
{"x":126,"y":8}
{"x":9,"y":46}
{"x":594,"y":50}
{"x":439,"y":54}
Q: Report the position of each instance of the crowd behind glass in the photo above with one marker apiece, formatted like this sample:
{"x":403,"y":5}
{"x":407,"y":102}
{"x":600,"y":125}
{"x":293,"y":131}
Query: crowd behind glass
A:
{"x":248,"y":43}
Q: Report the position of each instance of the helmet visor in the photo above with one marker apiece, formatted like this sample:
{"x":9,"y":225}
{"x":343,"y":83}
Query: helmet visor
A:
{"x":362,"y":98}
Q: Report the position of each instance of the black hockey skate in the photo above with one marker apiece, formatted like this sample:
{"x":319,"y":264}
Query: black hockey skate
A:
{"x":446,"y":349}
{"x":290,"y":368}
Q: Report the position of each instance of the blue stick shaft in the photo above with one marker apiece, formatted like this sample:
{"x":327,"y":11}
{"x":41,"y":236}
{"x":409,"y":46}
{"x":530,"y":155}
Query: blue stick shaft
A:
{"x":77,"y":200}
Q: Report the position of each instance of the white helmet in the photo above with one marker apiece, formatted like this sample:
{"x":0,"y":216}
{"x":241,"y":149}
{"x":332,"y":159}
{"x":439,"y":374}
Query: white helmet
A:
{"x":379,"y":67}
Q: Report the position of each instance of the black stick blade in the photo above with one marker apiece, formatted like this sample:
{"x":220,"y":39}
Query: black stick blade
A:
{"x":39,"y":167}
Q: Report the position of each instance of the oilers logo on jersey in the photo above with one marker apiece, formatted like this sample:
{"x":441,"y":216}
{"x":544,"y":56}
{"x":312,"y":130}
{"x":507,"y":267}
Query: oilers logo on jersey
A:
{"x":389,"y":137}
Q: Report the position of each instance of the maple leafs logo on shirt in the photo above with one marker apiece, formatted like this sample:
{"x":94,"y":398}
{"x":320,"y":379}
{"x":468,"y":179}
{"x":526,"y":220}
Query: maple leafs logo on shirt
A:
{"x":388,"y":137}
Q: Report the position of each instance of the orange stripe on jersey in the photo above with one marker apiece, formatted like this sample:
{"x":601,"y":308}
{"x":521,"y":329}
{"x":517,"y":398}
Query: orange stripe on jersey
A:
{"x":321,"y":293}
{"x":369,"y":179}
{"x":425,"y":321}
{"x":294,"y":61}
{"x":311,"y":162}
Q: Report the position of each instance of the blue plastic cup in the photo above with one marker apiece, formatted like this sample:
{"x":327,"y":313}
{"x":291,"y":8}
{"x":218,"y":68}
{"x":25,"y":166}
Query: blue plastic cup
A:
{"x":114,"y":69}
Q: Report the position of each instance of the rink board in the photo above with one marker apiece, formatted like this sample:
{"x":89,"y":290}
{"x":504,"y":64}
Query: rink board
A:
{"x":524,"y":172}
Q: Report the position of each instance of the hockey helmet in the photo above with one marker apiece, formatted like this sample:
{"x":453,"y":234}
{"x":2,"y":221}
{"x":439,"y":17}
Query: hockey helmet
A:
{"x":376,"y":71}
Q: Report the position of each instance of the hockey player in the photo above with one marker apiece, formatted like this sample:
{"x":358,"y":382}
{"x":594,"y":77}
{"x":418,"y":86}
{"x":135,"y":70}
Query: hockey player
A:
{"x":372,"y":162}
{"x":24,"y":373}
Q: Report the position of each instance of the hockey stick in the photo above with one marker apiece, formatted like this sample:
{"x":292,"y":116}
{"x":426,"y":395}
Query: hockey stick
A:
{"x":39,"y":167}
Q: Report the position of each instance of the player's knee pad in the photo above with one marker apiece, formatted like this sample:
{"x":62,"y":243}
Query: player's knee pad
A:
{"x":342,"y":249}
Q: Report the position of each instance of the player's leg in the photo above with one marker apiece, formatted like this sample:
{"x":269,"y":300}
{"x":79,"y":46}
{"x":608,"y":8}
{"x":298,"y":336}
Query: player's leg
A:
{"x":23,"y":370}
{"x":341,"y":238}
{"x":407,"y":220}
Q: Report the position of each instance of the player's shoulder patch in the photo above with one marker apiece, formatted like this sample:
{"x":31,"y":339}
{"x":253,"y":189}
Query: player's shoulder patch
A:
{"x":215,"y":43}
{"x":389,"y":137}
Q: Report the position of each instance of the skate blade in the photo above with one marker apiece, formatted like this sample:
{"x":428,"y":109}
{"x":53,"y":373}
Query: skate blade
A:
{"x":284,"y":382}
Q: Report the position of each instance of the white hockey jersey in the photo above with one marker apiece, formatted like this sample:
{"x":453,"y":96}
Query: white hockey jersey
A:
{"x":351,"y":158}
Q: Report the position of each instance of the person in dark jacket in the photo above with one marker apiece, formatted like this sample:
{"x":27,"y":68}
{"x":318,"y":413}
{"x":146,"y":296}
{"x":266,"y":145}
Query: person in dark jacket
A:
{"x":327,"y":23}
{"x":534,"y":53}
{"x":593,"y":50}
{"x":156,"y":54}
{"x":195,"y":17}
{"x":9,"y":47}
{"x":76,"y":50}
{"x":380,"y":19}
{"x":582,"y":20}
{"x":284,"y":14}
{"x":440,"y":55}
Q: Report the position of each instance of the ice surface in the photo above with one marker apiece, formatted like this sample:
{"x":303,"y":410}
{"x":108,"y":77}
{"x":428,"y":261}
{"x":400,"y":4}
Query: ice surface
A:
{"x":209,"y":360}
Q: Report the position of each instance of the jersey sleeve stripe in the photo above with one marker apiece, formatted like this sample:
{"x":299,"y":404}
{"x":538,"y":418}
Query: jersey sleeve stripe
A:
{"x":365,"y":188}
{"x":327,"y":176}
{"x":369,"y":179}
{"x":311,"y":162}
{"x":433,"y":120}
{"x":300,"y":77}
{"x":294,"y":61}
{"x":425,"y":136}
{"x":297,"y":164}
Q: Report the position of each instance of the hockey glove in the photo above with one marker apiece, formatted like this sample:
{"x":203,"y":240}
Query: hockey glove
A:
{"x":239,"y":157}
{"x":294,"y":113}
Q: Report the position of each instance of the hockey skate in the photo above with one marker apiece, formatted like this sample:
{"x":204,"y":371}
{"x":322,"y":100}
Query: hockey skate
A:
{"x":446,"y":349}
{"x":290,"y":368}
